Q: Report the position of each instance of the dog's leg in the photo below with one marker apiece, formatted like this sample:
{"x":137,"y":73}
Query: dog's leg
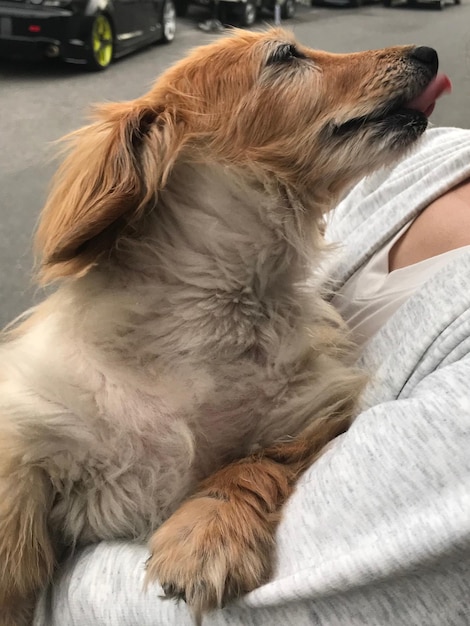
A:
{"x":26,"y":553}
{"x":220,"y":544}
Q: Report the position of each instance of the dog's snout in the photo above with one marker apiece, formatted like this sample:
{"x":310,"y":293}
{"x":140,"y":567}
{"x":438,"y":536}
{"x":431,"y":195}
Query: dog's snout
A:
{"x":427,"y":56}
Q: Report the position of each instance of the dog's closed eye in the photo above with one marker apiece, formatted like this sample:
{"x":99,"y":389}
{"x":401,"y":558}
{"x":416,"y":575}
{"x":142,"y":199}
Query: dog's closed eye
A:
{"x":284,"y":54}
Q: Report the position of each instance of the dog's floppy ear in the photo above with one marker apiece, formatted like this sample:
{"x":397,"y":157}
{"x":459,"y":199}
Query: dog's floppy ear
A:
{"x":113,"y":172}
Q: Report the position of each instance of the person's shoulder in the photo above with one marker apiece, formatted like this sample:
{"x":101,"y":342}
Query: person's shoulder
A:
{"x":440,"y":159}
{"x":446,"y":133}
{"x":438,"y":140}
{"x":438,"y":145}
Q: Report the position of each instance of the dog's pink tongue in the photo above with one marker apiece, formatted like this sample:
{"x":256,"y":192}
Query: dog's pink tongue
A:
{"x":426,"y":101}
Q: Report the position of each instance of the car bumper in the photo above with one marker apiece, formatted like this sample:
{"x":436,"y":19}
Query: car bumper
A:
{"x":31,"y":32}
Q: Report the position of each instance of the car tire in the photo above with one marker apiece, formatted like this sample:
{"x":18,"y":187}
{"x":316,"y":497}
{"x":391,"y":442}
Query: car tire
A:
{"x":101,"y":43}
{"x":288,"y":9}
{"x":356,"y":3}
{"x":248,"y":13}
{"x":168,"y":21}
{"x":387,"y":3}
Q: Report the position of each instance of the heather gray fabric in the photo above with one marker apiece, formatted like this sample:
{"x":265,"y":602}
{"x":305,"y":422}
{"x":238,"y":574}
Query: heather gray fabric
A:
{"x":378,"y":531}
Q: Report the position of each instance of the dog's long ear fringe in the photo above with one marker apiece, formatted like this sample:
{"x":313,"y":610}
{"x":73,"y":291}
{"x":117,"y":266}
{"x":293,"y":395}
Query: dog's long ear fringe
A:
{"x":112,"y":173}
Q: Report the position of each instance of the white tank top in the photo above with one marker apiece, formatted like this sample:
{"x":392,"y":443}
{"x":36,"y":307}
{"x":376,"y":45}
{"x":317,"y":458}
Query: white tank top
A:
{"x":373,"y":294}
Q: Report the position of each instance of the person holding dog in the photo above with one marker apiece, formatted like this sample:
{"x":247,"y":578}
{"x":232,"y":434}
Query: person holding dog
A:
{"x":377,"y":532}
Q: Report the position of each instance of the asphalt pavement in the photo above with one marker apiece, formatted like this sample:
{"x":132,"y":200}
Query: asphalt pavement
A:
{"x":41,"y":102}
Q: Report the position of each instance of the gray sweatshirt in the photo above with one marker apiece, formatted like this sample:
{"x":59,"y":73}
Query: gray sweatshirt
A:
{"x":378,"y":530}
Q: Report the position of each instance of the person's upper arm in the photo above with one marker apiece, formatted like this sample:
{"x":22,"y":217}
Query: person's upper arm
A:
{"x":392,"y":495}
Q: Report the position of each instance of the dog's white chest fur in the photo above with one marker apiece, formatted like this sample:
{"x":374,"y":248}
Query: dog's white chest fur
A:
{"x":124,"y":445}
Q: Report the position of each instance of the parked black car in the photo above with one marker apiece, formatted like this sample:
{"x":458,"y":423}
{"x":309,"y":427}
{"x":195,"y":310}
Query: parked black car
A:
{"x":437,"y":4}
{"x":91,"y":32}
{"x":243,"y":12}
{"x":344,"y":3}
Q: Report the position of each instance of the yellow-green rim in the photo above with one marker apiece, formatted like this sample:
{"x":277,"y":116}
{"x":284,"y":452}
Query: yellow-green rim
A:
{"x":102,"y":40}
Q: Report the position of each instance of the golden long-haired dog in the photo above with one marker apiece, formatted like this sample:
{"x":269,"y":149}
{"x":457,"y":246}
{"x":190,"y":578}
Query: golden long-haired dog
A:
{"x":181,"y":354}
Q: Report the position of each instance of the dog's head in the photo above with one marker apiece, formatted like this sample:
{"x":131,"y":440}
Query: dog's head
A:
{"x":311,"y":121}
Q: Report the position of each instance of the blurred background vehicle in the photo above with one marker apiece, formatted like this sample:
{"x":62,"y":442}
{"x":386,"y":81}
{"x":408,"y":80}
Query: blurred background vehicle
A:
{"x":89,"y":32}
{"x":437,"y":4}
{"x":241,"y":12}
{"x":343,"y":3}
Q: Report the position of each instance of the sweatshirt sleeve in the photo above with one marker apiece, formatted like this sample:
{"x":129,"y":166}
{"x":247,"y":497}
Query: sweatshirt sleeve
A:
{"x":376,"y":534}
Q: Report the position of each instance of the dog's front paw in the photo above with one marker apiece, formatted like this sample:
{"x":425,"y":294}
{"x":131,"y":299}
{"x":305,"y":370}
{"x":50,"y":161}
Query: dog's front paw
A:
{"x":211,"y":551}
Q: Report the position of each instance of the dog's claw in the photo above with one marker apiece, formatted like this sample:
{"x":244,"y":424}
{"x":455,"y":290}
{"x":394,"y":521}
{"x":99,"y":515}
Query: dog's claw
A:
{"x":202,"y":554}
{"x":171,"y":591}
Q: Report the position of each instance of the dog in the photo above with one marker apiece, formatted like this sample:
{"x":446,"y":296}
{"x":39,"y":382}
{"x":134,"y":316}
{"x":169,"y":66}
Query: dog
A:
{"x":182,"y":376}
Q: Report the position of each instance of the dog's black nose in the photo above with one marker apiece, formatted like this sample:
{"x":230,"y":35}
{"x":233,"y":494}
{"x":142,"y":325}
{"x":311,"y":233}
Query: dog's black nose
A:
{"x":427,"y":56}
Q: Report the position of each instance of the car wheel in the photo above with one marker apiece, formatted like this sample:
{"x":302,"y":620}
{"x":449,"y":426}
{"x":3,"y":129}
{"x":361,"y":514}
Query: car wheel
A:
{"x":101,"y":44}
{"x":168,"y":21}
{"x":356,"y":3}
{"x":387,"y":3}
{"x":249,"y":13}
{"x":288,"y":9}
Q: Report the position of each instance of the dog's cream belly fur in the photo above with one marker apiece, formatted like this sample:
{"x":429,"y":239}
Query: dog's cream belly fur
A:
{"x":123,"y":452}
